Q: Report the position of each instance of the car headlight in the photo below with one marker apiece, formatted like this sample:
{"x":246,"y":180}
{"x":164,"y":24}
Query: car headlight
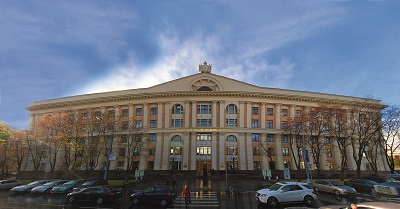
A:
{"x":263,"y":195}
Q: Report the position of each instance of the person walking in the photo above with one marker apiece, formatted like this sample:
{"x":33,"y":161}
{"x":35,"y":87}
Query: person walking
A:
{"x":186,"y":195}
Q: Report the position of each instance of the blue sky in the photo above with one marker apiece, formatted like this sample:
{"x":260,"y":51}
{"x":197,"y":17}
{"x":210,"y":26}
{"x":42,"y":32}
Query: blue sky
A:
{"x":51,"y":49}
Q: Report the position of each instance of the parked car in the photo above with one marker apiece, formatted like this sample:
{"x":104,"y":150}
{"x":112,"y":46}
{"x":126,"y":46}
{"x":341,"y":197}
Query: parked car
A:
{"x":98,"y":194}
{"x":47,"y":187}
{"x":388,"y":185}
{"x":287,"y":192}
{"x":333,"y":187}
{"x":8,"y":184}
{"x":67,"y":187}
{"x":28,"y":187}
{"x":163,"y":195}
{"x":98,"y":182}
{"x":365,"y":205}
{"x":362,"y":184}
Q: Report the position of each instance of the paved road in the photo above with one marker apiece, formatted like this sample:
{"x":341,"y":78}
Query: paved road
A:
{"x":206,"y":194}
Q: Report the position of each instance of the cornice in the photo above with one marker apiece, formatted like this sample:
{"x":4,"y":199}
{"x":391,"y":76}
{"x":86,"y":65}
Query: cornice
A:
{"x":59,"y":103}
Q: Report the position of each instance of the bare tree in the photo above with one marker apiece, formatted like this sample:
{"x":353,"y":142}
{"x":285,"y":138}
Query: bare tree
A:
{"x":36,"y":149}
{"x":391,"y":134}
{"x":18,"y":148}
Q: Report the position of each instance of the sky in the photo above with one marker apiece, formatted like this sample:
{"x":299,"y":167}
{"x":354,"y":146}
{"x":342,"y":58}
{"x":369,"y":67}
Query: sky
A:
{"x":51,"y":49}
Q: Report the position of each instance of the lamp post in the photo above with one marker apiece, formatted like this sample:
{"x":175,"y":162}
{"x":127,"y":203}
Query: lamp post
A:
{"x":173,"y":162}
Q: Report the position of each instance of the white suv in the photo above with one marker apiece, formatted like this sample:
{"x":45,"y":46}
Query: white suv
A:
{"x":287,"y":192}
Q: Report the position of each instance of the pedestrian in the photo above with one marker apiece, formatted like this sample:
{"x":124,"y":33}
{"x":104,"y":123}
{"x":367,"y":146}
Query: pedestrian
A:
{"x":186,"y":195}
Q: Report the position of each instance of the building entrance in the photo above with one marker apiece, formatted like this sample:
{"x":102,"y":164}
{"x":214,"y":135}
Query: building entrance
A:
{"x":203,"y":168}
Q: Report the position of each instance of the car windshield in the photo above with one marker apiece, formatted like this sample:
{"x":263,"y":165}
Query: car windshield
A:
{"x":49,"y":183}
{"x":70,"y":183}
{"x":371,"y":182}
{"x":35,"y":182}
{"x":88,"y":183}
{"x":335,"y":183}
{"x":275,"y":187}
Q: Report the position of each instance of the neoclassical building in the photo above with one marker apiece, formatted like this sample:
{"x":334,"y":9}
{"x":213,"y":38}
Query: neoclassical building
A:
{"x":205,"y":121}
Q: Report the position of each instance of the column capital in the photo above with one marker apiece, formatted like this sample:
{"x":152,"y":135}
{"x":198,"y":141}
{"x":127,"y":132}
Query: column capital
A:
{"x":186,"y":101}
{"x":242,"y":102}
{"x":193,"y":101}
{"x":214,"y":101}
{"x":160,"y":102}
{"x":145,"y":103}
{"x":221,"y":101}
{"x":249,"y":102}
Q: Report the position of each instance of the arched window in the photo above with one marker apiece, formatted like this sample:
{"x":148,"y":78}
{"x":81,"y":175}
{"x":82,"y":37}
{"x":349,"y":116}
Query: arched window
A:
{"x":231,"y":109}
{"x":176,"y":138}
{"x":231,"y":138}
{"x":204,"y":88}
{"x":177,"y":109}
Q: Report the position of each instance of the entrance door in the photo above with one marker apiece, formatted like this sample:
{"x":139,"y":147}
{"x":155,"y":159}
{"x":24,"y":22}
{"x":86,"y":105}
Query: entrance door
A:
{"x":203,"y":168}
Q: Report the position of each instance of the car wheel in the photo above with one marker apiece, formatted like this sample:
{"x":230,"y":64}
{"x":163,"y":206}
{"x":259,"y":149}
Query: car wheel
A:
{"x":163,"y":202}
{"x":272,"y":202}
{"x":135,"y":201}
{"x":308,"y":201}
{"x":70,"y":199}
{"x":373,"y":190}
{"x":336,"y":192}
{"x":99,"y":200}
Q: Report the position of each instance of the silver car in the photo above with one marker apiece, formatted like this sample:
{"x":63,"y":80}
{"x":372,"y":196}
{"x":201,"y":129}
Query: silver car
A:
{"x":333,"y":187}
{"x":8,"y":184}
{"x":47,"y":187}
{"x":28,"y":187}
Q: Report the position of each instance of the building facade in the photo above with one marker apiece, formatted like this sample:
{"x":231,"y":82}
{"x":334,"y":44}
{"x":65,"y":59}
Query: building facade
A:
{"x":204,"y":122}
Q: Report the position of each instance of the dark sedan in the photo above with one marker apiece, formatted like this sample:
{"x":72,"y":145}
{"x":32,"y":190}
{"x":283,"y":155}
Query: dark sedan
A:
{"x":98,"y":194}
{"x":90,"y":183}
{"x":163,"y":195}
{"x":362,"y":184}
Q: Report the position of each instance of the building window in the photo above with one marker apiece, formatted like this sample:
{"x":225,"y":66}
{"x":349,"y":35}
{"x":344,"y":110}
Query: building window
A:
{"x":271,"y":151}
{"x":256,"y":151}
{"x":367,"y":166}
{"x":314,"y":140}
{"x":203,"y":122}
{"x":329,"y":165}
{"x":327,"y":140}
{"x":152,"y":151}
{"x":257,"y":165}
{"x":176,"y":138}
{"x":231,"y":150}
{"x":153,"y":110}
{"x":299,"y":139}
{"x":111,"y":114}
{"x":153,"y":123}
{"x":139,"y":124}
{"x":203,"y":150}
{"x":285,"y":151}
{"x":254,"y":123}
{"x":254,"y":110}
{"x":125,"y":113}
{"x":270,"y":138}
{"x":203,"y":109}
{"x":298,"y":113}
{"x":255,"y":137}
{"x":231,"y":109}
{"x":270,"y":111}
{"x":298,"y":125}
{"x":270,"y":124}
{"x":283,"y":124}
{"x":231,"y":122}
{"x":203,"y":137}
{"x":326,"y":127}
{"x":150,"y":165}
{"x":284,"y":112}
{"x":136,"y":152}
{"x":285,"y":139}
{"x":328,"y":152}
{"x":124,"y":125}
{"x":231,"y":138}
{"x":176,"y":151}
{"x":177,"y":109}
{"x":124,"y":138}
{"x":286,"y":164}
{"x":120,"y":165}
{"x":121,"y":152}
{"x":177,"y":123}
{"x":139,"y":111}
{"x":84,"y":115}
{"x":153,"y":137}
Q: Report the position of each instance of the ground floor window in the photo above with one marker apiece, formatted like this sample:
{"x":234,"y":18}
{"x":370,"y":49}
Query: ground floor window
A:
{"x":257,"y":165}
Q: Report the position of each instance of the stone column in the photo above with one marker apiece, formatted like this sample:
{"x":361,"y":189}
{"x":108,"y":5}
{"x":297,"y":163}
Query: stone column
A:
{"x":194,"y":113}
{"x":130,"y":112}
{"x":186,"y":150}
{"x":158,"y":152}
{"x":263,"y":114}
{"x":214,"y":157}
{"x":249,"y":152}
{"x":193,"y":152}
{"x":241,"y":114}
{"x":323,"y":157}
{"x":159,"y":114}
{"x":336,"y":154}
{"x":145,"y":114}
{"x":278,"y":152}
{"x":222,"y":114}
{"x":222,"y":158}
{"x":166,"y":152}
{"x":277,"y":116}
{"x":214,"y":114}
{"x":265,"y":159}
{"x":292,"y":113}
{"x":293,"y":158}
{"x":167,"y":115}
{"x":241,"y":153}
{"x":248,"y":113}
{"x":32,"y":121}
{"x":187,"y":113}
